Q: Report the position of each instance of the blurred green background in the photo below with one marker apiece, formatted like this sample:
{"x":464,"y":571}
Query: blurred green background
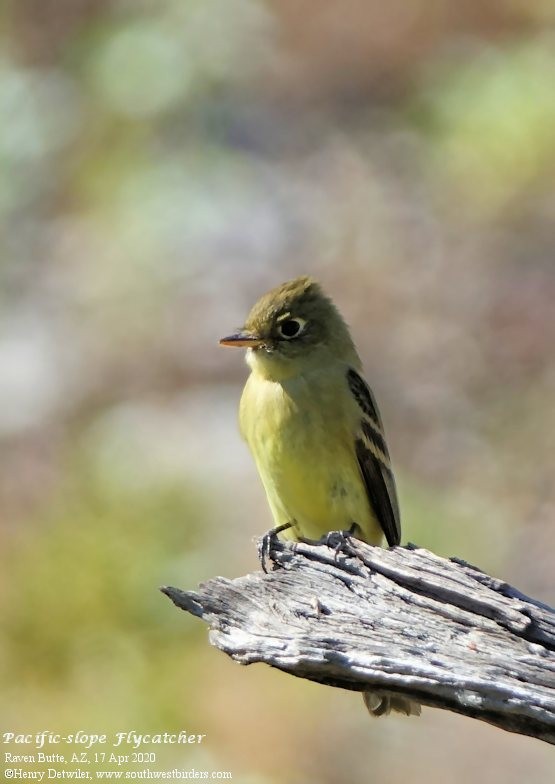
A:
{"x":162,"y":164}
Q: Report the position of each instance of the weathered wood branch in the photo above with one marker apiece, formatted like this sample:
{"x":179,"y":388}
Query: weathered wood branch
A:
{"x":403,"y":620}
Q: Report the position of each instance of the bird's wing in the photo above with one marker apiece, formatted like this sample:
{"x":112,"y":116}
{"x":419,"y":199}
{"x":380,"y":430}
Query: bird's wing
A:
{"x":373,"y":458}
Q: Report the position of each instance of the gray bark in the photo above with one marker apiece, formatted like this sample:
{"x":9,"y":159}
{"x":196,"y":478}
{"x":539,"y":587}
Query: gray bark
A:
{"x":403,"y":620}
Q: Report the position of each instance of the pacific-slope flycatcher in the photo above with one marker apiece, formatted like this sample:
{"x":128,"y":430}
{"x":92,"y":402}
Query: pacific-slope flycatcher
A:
{"x":314,"y":429}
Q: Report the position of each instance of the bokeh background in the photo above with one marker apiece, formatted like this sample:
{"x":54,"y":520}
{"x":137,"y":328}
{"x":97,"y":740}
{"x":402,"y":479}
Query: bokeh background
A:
{"x":162,"y":164}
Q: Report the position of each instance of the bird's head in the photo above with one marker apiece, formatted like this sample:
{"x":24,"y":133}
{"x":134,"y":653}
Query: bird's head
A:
{"x":293,"y":328}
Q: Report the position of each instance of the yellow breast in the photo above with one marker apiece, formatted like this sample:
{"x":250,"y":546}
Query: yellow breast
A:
{"x":301,"y":433}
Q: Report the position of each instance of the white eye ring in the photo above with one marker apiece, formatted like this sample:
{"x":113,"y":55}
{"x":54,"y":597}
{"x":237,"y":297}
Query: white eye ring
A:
{"x":290,"y":323}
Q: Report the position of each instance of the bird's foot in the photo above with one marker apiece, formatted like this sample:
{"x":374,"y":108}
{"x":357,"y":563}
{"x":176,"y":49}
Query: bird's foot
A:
{"x":266,"y":543}
{"x":340,"y":539}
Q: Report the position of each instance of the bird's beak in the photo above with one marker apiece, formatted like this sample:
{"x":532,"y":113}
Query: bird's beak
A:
{"x":242,"y":339}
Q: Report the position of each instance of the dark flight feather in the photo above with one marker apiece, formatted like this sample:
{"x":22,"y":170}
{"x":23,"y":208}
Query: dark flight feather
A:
{"x":374,"y":462}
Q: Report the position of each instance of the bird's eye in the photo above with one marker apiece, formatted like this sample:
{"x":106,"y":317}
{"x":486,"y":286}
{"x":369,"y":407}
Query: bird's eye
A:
{"x":291,"y":328}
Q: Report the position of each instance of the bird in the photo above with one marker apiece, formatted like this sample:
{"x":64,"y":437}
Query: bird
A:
{"x":314,"y":429}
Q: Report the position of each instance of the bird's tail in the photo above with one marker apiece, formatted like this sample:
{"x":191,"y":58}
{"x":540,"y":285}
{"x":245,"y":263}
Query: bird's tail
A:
{"x":382,"y":703}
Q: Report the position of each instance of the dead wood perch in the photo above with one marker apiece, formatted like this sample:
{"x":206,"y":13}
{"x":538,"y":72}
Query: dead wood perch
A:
{"x":403,"y":620}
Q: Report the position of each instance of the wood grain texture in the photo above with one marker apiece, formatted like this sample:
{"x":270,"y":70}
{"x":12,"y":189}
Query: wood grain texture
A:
{"x":403,"y":620}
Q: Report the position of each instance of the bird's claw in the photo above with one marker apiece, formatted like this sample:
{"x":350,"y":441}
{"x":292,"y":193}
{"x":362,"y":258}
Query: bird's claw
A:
{"x":265,"y":545}
{"x":339,"y":539}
